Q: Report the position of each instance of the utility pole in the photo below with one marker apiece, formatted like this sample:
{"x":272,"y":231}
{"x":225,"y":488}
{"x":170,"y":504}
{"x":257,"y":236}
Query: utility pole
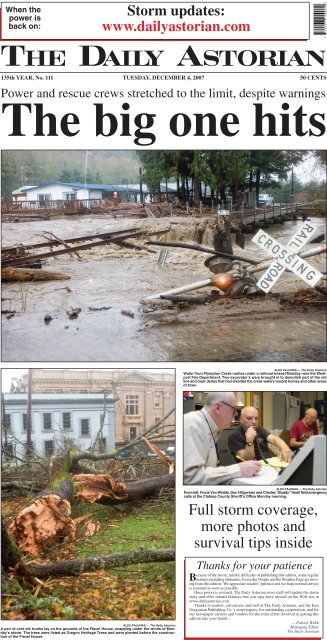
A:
{"x":3,"y":411}
{"x":29,"y":448}
{"x":235,"y":178}
{"x":141,"y":185}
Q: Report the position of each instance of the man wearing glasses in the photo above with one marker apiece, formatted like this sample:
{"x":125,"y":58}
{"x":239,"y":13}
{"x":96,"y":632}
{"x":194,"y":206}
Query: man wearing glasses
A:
{"x":201,"y":430}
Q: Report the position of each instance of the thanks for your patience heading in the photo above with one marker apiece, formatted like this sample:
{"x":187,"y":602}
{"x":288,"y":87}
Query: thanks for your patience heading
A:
{"x":96,"y":55}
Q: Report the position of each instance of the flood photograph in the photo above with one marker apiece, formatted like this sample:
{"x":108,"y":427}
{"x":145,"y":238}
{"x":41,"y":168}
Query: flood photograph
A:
{"x":163,"y":256}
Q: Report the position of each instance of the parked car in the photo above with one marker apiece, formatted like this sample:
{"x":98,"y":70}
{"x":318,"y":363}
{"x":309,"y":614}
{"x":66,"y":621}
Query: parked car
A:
{"x":125,"y":454}
{"x":265,"y":200}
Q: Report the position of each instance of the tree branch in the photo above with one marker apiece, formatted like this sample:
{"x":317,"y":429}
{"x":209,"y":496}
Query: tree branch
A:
{"x":81,"y":565}
{"x":105,"y":456}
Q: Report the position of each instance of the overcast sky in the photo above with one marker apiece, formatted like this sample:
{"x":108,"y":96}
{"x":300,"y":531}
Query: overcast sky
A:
{"x":310,"y":169}
{"x":8,"y":374}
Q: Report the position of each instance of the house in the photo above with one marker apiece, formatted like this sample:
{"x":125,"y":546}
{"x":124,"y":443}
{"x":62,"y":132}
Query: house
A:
{"x":86,"y":193}
{"x":54,"y":191}
{"x":19,"y":195}
{"x":63,"y":191}
{"x":59,"y":420}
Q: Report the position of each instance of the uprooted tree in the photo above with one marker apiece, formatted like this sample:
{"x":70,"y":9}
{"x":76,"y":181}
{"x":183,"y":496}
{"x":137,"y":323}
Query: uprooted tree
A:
{"x":48,"y":520}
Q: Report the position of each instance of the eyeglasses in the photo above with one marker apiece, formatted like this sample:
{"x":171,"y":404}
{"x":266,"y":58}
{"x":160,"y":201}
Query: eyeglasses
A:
{"x":231,"y":406}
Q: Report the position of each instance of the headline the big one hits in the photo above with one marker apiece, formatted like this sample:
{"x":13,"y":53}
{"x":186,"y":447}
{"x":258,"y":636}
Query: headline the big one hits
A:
{"x":32,"y":118}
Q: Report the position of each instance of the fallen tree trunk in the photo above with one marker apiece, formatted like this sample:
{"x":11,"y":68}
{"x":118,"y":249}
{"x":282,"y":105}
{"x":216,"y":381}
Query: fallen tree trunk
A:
{"x":45,"y":522}
{"x":10,"y":553}
{"x":81,"y":565}
{"x":101,"y":488}
{"x":11,"y":274}
{"x":48,"y":519}
{"x":24,"y":487}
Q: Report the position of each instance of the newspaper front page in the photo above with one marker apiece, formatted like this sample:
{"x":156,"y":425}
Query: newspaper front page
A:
{"x":236,"y":92}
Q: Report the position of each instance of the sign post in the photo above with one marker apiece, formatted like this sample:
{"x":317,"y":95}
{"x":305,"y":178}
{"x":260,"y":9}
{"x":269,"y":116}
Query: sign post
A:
{"x":286,"y":258}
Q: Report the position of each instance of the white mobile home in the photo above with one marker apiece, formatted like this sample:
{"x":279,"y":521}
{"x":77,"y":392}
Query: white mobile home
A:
{"x":54,"y":191}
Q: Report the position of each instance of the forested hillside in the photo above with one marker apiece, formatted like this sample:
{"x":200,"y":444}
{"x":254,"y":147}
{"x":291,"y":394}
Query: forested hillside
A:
{"x":21,"y":168}
{"x":196,"y":173}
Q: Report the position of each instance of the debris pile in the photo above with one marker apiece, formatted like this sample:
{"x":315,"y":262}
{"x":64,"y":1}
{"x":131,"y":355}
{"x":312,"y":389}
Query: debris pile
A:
{"x":306,"y":298}
{"x":16,"y":260}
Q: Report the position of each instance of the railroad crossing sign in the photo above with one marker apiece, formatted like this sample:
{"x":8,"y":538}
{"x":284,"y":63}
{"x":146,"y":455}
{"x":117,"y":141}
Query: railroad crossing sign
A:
{"x":286,"y":258}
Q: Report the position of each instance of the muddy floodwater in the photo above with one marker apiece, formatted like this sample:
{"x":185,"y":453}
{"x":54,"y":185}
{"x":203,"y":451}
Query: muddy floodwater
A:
{"x":108,"y":283}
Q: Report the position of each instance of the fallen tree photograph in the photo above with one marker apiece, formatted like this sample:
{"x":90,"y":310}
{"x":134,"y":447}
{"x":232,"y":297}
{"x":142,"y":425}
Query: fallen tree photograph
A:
{"x":89,"y":533}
